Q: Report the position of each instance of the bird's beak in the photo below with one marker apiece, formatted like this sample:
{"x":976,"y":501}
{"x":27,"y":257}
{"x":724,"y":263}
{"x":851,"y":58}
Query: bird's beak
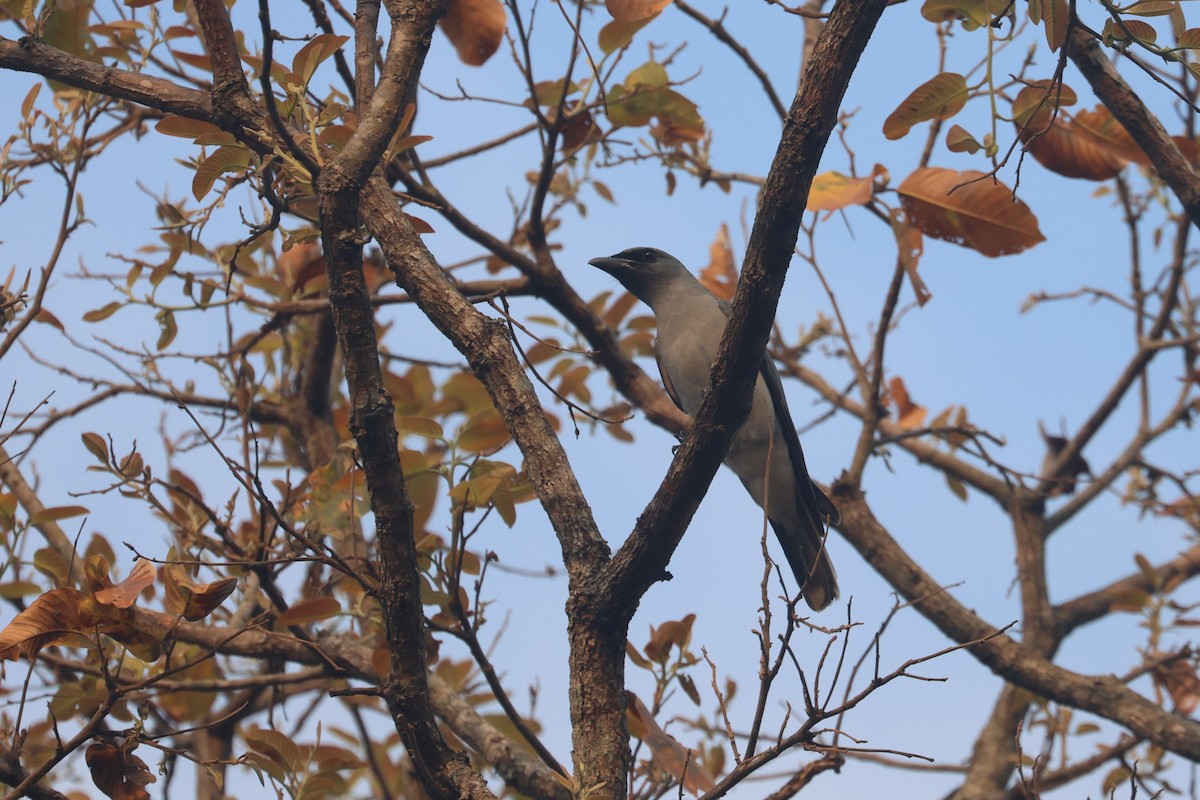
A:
{"x":613,"y":266}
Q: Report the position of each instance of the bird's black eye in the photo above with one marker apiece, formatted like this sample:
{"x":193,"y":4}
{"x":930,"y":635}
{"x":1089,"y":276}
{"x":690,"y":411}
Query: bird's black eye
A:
{"x":648,"y":255}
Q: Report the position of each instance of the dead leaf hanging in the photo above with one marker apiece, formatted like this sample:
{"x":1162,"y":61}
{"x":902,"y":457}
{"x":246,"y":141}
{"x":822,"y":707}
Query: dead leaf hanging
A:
{"x":969,"y":208}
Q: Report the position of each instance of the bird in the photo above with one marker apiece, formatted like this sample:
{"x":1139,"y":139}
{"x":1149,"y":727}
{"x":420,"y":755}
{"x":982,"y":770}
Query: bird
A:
{"x":691,"y":321}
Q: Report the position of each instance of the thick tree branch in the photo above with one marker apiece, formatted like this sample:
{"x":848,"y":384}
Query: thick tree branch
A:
{"x":1104,"y":696}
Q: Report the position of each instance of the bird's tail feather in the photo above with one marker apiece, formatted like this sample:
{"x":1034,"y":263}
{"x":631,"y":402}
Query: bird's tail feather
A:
{"x":803,"y":543}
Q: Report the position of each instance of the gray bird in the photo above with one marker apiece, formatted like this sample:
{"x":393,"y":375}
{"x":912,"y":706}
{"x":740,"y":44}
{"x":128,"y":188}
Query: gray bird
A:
{"x":691,"y":321}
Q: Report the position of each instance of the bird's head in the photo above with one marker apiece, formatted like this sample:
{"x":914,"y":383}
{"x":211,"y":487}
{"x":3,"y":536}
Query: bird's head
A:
{"x":644,"y":271}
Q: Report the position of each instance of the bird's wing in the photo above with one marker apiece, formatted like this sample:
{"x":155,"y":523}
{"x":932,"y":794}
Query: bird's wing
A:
{"x":821,"y":503}
{"x":666,"y":379}
{"x":770,"y":376}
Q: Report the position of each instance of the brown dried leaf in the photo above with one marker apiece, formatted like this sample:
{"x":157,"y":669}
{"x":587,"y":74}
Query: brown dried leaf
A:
{"x":50,"y":619}
{"x":980,"y":213}
{"x":1178,"y":678}
{"x":720,"y":276}
{"x":475,"y":28}
{"x":909,"y":247}
{"x":125,"y":593}
{"x":119,"y":774}
{"x":667,"y":754}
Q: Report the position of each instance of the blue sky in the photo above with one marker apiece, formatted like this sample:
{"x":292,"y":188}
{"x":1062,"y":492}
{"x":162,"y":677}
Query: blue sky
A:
{"x":971,"y":345}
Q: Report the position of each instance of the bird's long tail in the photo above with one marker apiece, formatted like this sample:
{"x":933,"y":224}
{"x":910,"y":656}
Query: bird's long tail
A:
{"x":803,"y":543}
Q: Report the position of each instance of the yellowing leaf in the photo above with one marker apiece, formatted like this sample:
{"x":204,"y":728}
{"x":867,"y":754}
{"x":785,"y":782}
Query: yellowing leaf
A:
{"x":57,"y":513}
{"x":970,"y":209}
{"x":633,"y":10}
{"x":475,"y":28}
{"x":616,"y":35}
{"x":223,"y":159}
{"x":832,"y":190}
{"x":940,"y":97}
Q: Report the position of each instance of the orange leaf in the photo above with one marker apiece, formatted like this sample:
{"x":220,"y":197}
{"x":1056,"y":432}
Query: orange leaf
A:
{"x":720,"y":276}
{"x":123,"y":594}
{"x":909,"y":415}
{"x":980,"y":214}
{"x":475,"y":28}
{"x":633,"y":10}
{"x":1062,"y":148}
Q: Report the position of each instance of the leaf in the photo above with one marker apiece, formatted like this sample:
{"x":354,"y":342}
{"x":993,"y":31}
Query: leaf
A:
{"x":720,"y":276}
{"x":909,"y":415}
{"x":483,"y":433}
{"x":667,"y":753}
{"x":223,"y":159}
{"x":1055,"y":17}
{"x":49,"y":619}
{"x":119,"y":774}
{"x":44,"y":316}
{"x":475,"y":28}
{"x":167,"y":328}
{"x":192,"y":601}
{"x":940,"y":97}
{"x":174,"y":125}
{"x":1130,"y":30}
{"x":1035,"y":103}
{"x":832,"y":191}
{"x":57,"y":513}
{"x":104,"y":312}
{"x":307,"y":611}
{"x":316,"y":50}
{"x":909,"y":248}
{"x":1062,"y":148}
{"x":125,"y":593}
{"x":958,"y":140}
{"x":1178,"y":678}
{"x":633,"y":10}
{"x":980,"y":214}
{"x":615,"y":35}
